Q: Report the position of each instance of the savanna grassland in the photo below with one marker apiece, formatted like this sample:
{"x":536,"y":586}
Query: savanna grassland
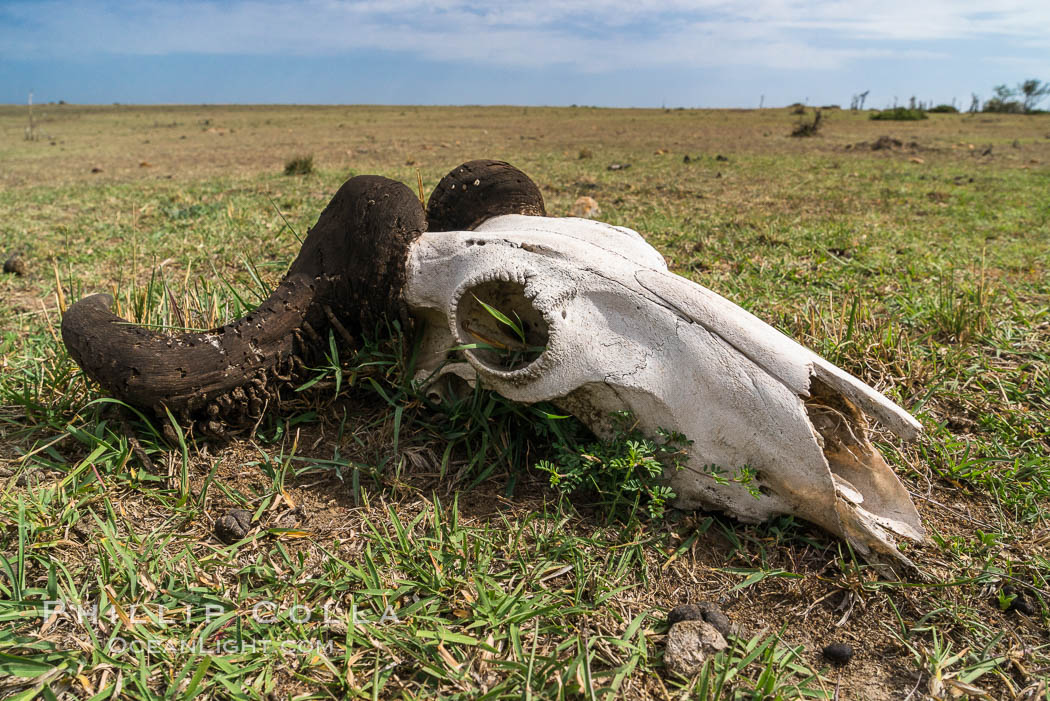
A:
{"x":921,"y":267}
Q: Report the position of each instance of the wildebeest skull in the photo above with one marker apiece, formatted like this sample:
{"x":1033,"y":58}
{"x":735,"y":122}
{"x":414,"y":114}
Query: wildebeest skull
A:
{"x":597,"y":325}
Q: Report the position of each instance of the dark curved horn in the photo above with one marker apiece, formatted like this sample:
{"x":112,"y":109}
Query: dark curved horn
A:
{"x":348,"y":275}
{"x":480,"y":190}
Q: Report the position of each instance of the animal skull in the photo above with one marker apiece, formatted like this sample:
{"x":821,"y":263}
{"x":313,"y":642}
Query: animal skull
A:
{"x":604,"y":327}
{"x":613,"y":330}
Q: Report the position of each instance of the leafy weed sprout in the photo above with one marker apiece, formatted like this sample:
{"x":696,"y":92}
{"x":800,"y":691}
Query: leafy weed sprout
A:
{"x":625,"y":471}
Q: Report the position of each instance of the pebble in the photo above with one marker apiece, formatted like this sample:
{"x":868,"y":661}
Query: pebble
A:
{"x":706,"y":611}
{"x":716,"y":617}
{"x":585,"y":207}
{"x":15,"y":264}
{"x":838,"y":653}
{"x":33,"y":477}
{"x":684,"y":612}
{"x":233,"y":525}
{"x":689,"y":644}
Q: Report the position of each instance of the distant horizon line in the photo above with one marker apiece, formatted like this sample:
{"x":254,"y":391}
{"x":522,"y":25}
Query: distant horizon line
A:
{"x":62,"y":103}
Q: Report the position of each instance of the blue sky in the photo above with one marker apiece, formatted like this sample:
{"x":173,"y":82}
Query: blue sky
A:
{"x":690,"y":53}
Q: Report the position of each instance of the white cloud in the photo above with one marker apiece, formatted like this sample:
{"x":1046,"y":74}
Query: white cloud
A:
{"x":591,"y":35}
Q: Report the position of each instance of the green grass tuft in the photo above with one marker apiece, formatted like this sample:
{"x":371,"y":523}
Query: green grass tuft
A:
{"x":300,"y":165}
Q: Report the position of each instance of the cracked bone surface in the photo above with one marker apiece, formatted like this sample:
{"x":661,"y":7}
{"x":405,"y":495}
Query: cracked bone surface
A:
{"x":604,"y":327}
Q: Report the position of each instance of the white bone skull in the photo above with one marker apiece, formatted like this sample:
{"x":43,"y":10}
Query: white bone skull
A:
{"x":608,"y":328}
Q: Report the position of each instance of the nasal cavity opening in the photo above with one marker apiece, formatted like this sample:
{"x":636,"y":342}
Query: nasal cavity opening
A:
{"x":499,"y":326}
{"x":844,"y":440}
{"x":862,"y":477}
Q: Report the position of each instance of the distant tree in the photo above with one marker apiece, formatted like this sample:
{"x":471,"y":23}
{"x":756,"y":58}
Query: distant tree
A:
{"x":1004,"y":101}
{"x":1001,"y":106}
{"x":1033,"y":92}
{"x":1004,"y":92}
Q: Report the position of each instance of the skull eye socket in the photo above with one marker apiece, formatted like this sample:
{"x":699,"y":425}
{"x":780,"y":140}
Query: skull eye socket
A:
{"x":499,"y":326}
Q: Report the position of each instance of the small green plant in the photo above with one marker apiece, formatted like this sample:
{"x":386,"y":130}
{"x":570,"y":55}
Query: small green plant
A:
{"x":625,"y":471}
{"x":333,"y":368}
{"x":744,"y":476}
{"x":899,"y":114}
{"x":762,"y":667}
{"x":945,"y":109}
{"x":300,"y":165}
{"x":945,"y":670}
